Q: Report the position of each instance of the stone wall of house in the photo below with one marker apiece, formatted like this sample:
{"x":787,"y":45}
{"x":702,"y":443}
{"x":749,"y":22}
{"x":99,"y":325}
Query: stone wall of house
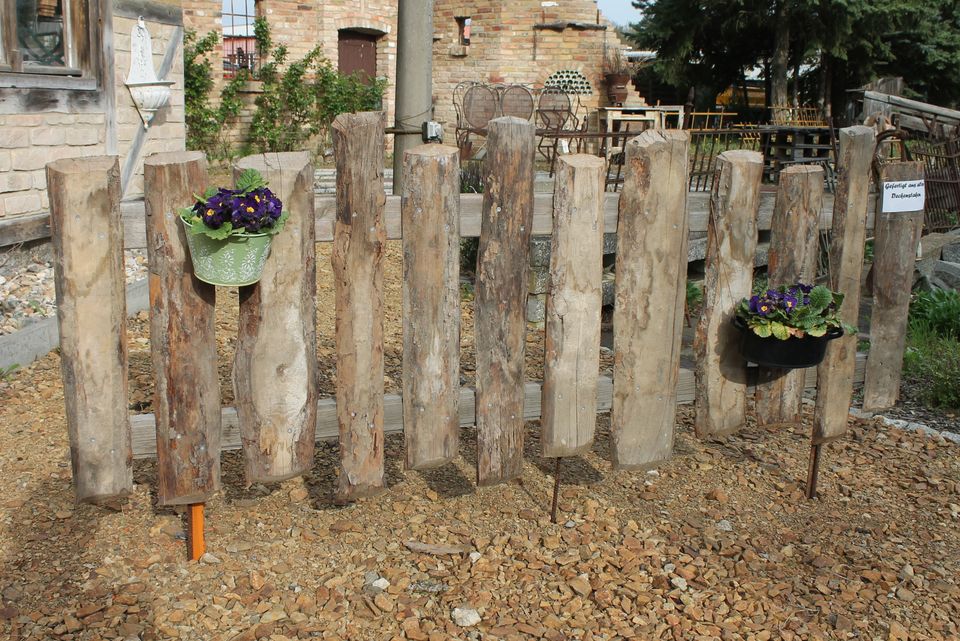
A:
{"x":28,"y":141}
{"x":167,"y":130}
{"x":505,"y":47}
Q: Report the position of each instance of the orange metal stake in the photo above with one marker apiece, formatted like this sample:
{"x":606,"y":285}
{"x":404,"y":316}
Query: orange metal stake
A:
{"x":195,"y":543}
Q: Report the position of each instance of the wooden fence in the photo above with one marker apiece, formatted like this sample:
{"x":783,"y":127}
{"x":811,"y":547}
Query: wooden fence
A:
{"x":278,"y":416}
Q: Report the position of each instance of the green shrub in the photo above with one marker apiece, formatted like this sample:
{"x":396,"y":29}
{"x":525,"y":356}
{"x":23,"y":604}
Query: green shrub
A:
{"x":301,"y":99}
{"x":204,"y":121}
{"x":932,"y":362}
{"x":938,"y":310}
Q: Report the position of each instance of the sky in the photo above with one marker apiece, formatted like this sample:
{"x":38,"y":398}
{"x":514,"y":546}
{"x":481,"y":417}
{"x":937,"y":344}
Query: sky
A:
{"x":620,"y":12}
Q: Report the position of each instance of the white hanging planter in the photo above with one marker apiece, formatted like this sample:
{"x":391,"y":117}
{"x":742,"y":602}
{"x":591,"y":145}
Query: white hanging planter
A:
{"x":149,"y":93}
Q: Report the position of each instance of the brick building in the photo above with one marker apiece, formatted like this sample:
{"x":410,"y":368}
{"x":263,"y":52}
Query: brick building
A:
{"x":63,"y":93}
{"x":520,"y":41}
{"x":63,"y":89}
{"x":523,"y":41}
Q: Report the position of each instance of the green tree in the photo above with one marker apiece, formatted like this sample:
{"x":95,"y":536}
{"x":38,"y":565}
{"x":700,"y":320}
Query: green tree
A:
{"x":849,"y":42}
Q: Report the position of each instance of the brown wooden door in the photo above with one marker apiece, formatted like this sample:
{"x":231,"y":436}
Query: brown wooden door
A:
{"x":357,"y":53}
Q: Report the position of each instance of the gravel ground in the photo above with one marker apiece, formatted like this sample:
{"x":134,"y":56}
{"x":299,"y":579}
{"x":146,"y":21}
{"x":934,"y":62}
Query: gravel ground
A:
{"x":718,"y":542}
{"x":27,"y":292}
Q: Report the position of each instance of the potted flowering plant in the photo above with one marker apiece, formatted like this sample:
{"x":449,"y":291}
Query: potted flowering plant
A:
{"x":229,"y":230}
{"x":789,"y":326}
{"x":616,"y":74}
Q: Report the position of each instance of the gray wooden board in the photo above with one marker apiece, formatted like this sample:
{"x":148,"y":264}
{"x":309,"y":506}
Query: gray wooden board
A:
{"x":470,"y":204}
{"x":37,"y":339}
{"x":145,"y":442}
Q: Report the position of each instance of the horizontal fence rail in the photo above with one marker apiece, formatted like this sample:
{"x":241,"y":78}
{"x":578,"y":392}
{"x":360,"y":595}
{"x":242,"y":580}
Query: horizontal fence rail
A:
{"x":698,"y":212}
{"x":145,"y":443}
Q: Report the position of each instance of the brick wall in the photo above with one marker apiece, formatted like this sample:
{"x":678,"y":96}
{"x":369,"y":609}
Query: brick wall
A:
{"x":302,"y":26}
{"x":505,"y":48}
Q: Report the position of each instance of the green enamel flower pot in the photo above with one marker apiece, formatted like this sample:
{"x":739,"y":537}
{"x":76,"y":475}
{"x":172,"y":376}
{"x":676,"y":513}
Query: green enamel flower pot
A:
{"x":232,"y":262}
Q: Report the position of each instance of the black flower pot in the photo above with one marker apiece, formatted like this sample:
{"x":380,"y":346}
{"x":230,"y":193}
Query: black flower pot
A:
{"x":793,"y":353}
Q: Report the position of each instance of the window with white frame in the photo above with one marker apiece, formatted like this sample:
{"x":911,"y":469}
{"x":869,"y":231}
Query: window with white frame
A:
{"x":44,"y":36}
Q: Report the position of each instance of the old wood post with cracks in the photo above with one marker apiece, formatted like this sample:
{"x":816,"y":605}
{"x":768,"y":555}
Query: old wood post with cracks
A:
{"x":572,"y":347}
{"x":835,"y":374}
{"x":275,"y":367}
{"x":894,"y":253}
{"x":720,"y":371}
{"x":431,"y":305}
{"x":91,"y":311}
{"x":501,"y":298}
{"x":183,"y":346}
{"x":651,"y":273}
{"x":357,"y":261}
{"x":794,"y":236}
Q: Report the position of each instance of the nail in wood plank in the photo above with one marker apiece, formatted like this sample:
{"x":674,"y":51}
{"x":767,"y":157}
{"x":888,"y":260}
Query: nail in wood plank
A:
{"x":501,"y":298}
{"x":431,"y":305}
{"x":721,"y":372}
{"x":183,"y":345}
{"x":574,"y":299}
{"x":357,"y":261}
{"x":792,"y":258}
{"x":91,"y":312}
{"x":836,"y":373}
{"x":651,"y":273}
{"x":275,"y":364}
{"x":894,"y":255}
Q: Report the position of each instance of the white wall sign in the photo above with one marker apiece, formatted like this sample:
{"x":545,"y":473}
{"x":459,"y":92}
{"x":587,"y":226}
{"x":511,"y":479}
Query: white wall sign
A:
{"x":905,"y":195}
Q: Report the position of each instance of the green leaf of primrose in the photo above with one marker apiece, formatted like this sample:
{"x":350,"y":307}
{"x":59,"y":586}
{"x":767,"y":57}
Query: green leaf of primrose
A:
{"x":820,"y":297}
{"x":249,"y":180}
{"x":222,"y":232}
{"x":763,"y":331}
{"x":208,"y":194}
{"x":779,"y":330}
{"x":819,"y":330}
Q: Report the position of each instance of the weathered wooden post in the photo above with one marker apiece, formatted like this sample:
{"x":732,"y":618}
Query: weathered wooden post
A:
{"x":794,"y":235}
{"x":651,"y":273}
{"x":91,"y":311}
{"x":183,"y":346}
{"x":430,"y":211}
{"x":572,"y":347}
{"x":894,"y":249}
{"x":835,"y":373}
{"x":501,"y":297}
{"x":357,"y":260}
{"x":275,"y":367}
{"x":720,"y":372}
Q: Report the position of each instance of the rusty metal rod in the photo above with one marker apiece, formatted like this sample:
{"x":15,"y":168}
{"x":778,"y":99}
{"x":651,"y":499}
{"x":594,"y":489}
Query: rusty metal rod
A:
{"x":556,"y":491}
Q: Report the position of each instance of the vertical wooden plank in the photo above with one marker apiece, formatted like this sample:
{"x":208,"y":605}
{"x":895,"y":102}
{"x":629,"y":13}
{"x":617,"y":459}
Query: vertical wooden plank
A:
{"x":357,"y":261}
{"x":651,"y":292}
{"x":894,"y":250}
{"x":275,"y":366}
{"x":794,"y":236}
{"x":574,"y":298}
{"x":720,"y":372}
{"x":182,"y":346}
{"x":91,"y":312}
{"x":501,"y":296}
{"x":430,"y":211}
{"x":835,"y":374}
